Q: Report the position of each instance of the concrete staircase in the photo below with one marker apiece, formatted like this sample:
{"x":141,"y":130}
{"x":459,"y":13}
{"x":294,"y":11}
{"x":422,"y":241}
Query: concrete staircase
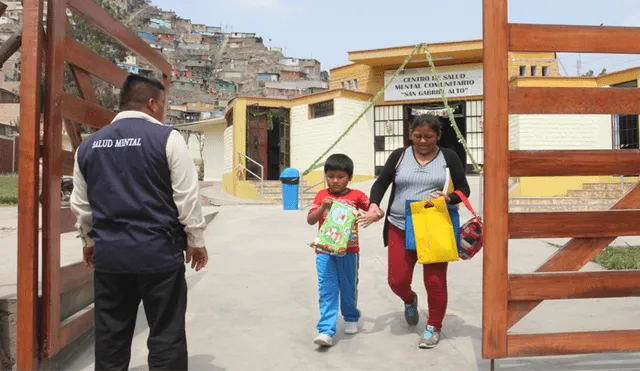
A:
{"x":592,"y":197}
{"x":273,"y":191}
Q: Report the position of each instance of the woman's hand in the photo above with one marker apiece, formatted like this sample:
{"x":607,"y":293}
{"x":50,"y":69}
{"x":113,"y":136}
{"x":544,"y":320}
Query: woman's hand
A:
{"x":373,"y":215}
{"x":438,"y":194}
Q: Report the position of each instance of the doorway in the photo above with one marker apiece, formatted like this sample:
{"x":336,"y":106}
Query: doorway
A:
{"x":449,"y":139}
{"x":268,"y":142}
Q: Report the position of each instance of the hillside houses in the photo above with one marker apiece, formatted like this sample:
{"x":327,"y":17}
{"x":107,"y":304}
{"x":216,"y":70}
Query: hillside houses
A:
{"x":212,"y":66}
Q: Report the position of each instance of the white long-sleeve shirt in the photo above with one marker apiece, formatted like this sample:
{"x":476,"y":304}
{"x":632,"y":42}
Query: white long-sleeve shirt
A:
{"x":184,"y":182}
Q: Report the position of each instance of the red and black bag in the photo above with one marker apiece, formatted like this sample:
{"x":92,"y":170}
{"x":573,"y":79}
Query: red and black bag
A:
{"x":471,"y":232}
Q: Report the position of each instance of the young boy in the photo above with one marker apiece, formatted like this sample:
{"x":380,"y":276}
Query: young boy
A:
{"x":337,"y":276}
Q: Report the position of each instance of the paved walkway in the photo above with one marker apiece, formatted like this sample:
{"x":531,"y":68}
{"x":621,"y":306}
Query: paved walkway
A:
{"x":255,"y":307}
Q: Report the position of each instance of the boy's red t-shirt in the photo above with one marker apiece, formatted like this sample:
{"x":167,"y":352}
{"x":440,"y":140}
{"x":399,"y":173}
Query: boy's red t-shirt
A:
{"x":354,"y":198}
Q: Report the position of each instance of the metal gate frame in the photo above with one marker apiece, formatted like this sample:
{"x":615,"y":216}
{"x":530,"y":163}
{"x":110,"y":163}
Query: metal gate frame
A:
{"x":60,"y":109}
{"x":507,"y":298}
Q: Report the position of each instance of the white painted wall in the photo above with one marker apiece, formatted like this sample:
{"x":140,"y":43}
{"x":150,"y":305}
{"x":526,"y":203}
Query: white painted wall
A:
{"x":194,"y":147}
{"x":560,"y":132}
{"x":514,"y":132}
{"x":228,"y":150}
{"x":310,"y":138}
{"x":358,"y":144}
{"x":214,"y":152}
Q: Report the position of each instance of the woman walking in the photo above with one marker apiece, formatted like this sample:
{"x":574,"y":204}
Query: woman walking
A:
{"x":417,"y":172}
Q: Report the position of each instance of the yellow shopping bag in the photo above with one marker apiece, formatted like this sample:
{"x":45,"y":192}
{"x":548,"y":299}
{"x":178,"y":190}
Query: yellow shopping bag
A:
{"x":435,"y":241}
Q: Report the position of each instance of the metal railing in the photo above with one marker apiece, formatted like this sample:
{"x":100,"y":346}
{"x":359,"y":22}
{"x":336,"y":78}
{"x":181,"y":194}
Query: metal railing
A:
{"x":309,"y":189}
{"x":246,"y":170}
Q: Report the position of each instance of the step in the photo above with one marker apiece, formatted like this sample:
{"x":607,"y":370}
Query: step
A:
{"x":307,"y":200}
{"x":589,"y":193}
{"x":608,"y":186}
{"x":273,"y":183}
{"x":558,"y":208}
{"x":560,"y":201}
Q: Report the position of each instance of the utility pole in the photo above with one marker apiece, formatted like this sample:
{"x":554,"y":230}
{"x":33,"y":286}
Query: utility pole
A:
{"x":579,"y":63}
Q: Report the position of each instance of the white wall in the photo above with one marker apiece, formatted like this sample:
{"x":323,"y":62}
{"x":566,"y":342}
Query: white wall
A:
{"x":358,"y":144}
{"x":214,"y":152}
{"x":194,"y":147}
{"x":560,"y":132}
{"x":310,"y":138}
{"x":228,"y":150}
{"x":514,"y":132}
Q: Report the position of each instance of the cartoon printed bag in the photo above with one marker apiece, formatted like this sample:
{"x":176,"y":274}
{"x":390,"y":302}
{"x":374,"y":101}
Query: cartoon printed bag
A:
{"x":336,"y":230}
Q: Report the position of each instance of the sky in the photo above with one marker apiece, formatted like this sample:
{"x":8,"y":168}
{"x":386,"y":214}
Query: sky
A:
{"x":327,"y":29}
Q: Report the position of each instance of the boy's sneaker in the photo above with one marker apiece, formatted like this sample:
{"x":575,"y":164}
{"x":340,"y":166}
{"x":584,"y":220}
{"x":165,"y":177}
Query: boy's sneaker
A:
{"x":351,"y":328}
{"x":411,"y":314}
{"x":323,"y":340}
{"x":430,"y":338}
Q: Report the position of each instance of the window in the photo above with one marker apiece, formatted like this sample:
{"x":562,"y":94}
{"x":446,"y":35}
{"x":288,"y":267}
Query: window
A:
{"x":534,"y":70}
{"x":355,"y":84}
{"x":230,"y":118}
{"x":625,"y":127}
{"x":321,"y":109}
{"x":378,"y":143}
{"x":545,"y":71}
{"x":349,"y":84}
{"x":523,"y":70}
{"x":342,"y":85}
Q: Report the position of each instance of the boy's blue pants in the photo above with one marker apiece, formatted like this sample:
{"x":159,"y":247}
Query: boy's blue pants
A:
{"x":337,"y":276}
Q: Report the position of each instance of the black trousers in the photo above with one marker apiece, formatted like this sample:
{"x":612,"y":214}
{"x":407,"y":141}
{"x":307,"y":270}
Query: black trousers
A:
{"x":117,"y":298}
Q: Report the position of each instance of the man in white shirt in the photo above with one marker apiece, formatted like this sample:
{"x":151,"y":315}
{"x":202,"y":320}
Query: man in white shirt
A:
{"x":136,"y":198}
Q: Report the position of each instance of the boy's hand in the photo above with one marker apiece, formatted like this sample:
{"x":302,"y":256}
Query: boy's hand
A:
{"x":326,"y":203}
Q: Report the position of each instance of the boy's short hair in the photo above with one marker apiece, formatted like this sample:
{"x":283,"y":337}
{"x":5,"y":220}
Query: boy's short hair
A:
{"x":339,"y":162}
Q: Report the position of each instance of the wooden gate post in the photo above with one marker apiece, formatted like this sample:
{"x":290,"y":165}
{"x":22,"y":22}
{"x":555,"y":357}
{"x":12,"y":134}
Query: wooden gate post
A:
{"x":28,"y":177}
{"x":507,"y":298}
{"x":496,"y":196}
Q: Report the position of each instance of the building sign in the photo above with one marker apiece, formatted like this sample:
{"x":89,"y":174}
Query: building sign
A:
{"x":420,"y":83}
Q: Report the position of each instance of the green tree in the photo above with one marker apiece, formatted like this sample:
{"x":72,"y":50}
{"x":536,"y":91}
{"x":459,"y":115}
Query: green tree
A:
{"x":590,"y":73}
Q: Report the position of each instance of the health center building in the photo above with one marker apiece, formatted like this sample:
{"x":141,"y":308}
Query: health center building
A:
{"x":263,"y":136}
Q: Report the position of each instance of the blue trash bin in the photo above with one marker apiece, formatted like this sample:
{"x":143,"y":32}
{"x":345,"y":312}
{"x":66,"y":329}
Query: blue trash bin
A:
{"x":290,"y":179}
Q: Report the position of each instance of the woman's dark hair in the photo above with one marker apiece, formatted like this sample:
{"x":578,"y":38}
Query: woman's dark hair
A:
{"x":339,"y":162}
{"x":427,"y":119}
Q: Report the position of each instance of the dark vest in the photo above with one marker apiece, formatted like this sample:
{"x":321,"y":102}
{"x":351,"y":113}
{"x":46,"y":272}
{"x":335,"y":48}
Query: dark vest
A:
{"x":135,"y":220}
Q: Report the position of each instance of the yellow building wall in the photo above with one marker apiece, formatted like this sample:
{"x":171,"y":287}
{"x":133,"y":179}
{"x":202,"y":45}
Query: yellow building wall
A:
{"x":529,"y":59}
{"x":370,"y":79}
{"x":558,"y":186}
{"x":227,"y":182}
{"x":246,"y":189}
{"x":239,"y":130}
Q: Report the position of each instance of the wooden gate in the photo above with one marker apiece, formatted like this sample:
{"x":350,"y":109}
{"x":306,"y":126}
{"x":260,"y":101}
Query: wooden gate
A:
{"x":507,"y":298}
{"x":66,"y":312}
